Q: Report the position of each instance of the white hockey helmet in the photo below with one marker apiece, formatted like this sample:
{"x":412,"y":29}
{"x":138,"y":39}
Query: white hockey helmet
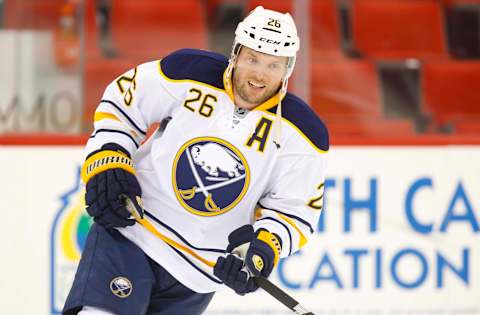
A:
{"x":269,"y":32}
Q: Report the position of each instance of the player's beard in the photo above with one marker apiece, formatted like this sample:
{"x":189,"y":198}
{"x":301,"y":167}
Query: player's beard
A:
{"x":242,"y":89}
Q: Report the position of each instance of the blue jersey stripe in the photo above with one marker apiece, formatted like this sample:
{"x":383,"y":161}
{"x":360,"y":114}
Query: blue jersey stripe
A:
{"x":290,"y":216}
{"x":130,"y":120}
{"x":115,"y":131}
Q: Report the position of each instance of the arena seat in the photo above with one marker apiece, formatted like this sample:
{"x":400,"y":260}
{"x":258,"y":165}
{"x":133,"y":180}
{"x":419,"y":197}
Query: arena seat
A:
{"x":399,"y":28}
{"x":213,"y":5}
{"x":363,"y":126}
{"x":450,"y":90}
{"x":147,"y":30}
{"x":467,"y":125}
{"x":348,"y":88}
{"x":32,"y":14}
{"x":325,"y":30}
{"x":150,"y":29}
{"x":459,"y":2}
{"x":97,"y":76}
{"x":277,"y":5}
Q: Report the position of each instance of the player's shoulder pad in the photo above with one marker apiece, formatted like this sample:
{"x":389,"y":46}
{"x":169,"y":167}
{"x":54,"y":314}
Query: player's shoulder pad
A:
{"x":197,"y":65}
{"x":299,"y":114}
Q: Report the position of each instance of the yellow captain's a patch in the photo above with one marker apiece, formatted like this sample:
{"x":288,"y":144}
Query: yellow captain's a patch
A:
{"x":209,"y":176}
{"x":261,"y":134}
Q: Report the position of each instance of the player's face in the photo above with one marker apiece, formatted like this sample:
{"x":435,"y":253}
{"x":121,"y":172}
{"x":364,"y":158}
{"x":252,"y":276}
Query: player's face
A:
{"x":257,"y":77}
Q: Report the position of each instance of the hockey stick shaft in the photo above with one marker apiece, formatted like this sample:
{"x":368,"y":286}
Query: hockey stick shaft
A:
{"x":263,"y":283}
{"x":281,"y":296}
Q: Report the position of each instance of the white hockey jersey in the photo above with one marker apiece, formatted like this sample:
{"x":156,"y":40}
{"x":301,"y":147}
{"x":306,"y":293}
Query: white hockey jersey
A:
{"x":211,"y":167}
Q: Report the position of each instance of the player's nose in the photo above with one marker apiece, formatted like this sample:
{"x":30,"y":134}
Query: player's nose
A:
{"x":259,"y":76}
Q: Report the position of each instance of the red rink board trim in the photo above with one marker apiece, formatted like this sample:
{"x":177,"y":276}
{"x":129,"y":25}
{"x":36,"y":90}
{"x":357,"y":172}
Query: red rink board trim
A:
{"x":420,"y":140}
{"x":42,"y":139}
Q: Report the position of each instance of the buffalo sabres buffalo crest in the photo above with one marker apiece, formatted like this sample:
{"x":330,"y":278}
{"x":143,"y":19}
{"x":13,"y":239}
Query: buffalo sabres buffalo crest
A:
{"x":210,"y":176}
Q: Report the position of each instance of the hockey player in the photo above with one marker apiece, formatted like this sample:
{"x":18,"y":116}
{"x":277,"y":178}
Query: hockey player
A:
{"x":231,"y":181}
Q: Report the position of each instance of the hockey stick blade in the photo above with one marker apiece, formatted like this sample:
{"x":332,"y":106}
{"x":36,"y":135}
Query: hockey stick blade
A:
{"x":281,"y":296}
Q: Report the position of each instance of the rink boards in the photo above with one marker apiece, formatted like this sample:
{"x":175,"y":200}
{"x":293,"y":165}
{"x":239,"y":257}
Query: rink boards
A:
{"x":400,"y":233}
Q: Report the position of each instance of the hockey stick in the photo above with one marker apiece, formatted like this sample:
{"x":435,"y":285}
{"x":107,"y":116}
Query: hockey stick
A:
{"x":281,"y":296}
{"x":263,"y":283}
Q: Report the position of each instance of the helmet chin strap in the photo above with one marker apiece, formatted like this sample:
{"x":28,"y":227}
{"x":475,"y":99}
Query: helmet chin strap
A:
{"x":278,"y":115}
{"x":231,"y":62}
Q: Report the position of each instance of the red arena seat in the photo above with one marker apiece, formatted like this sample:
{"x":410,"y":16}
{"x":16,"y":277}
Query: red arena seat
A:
{"x":399,"y":29}
{"x":450,"y":90}
{"x":324,"y":30}
{"x":149,"y":29}
{"x":348,"y":88}
{"x":277,"y":5}
{"x":98,"y":75}
{"x":363,"y":126}
{"x":32,"y":14}
{"x":467,"y":126}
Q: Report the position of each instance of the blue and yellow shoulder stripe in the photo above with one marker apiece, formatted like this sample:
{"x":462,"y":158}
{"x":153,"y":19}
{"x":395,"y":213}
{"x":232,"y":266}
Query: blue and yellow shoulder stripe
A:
{"x":195,"y":65}
{"x":303,"y":119}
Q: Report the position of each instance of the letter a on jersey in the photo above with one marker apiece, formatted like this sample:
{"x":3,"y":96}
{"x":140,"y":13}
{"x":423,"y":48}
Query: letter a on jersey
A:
{"x":262,"y":131}
{"x":210,"y":176}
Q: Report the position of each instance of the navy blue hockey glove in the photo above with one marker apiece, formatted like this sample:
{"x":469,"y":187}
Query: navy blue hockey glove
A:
{"x":110,"y":178}
{"x":250,"y":254}
{"x":231,"y":271}
{"x":263,"y":253}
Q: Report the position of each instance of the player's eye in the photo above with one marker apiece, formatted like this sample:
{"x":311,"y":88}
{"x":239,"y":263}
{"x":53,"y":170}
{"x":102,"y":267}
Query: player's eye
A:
{"x":251,"y":60}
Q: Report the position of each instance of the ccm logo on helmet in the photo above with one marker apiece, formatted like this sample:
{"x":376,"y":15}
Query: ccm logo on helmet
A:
{"x":270,"y":41}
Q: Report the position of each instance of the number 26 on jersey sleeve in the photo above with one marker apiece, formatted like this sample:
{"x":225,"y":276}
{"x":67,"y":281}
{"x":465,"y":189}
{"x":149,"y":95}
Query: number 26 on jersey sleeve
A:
{"x":126,"y":85}
{"x":317,"y":202}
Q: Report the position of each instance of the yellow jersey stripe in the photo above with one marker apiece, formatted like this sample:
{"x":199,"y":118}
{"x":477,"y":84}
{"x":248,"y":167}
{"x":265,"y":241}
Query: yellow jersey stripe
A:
{"x":102,"y":115}
{"x":149,"y":226}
